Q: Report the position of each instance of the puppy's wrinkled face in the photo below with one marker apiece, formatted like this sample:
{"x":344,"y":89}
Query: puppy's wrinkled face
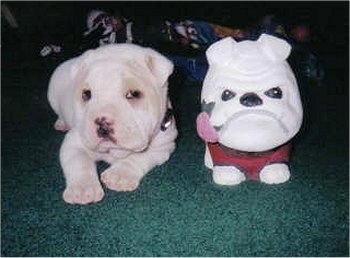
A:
{"x":118,"y":106}
{"x":251,"y":97}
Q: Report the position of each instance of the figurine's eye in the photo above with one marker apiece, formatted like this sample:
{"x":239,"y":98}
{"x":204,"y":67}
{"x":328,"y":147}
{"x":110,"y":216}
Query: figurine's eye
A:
{"x":275,"y":93}
{"x":86,"y":95}
{"x":227,"y":95}
{"x":133,"y":94}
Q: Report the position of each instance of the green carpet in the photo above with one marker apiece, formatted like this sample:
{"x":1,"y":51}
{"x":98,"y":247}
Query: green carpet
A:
{"x":177,"y":210}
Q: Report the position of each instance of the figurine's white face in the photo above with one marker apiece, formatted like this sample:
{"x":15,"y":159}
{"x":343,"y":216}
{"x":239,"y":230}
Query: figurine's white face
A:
{"x":250,"y":95}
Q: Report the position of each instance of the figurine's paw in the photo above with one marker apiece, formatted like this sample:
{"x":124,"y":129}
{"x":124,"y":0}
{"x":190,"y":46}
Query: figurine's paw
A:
{"x":60,"y":125}
{"x":83,"y":193}
{"x":208,"y":162}
{"x":120,"y":181}
{"x":224,"y":175}
{"x":275,"y":174}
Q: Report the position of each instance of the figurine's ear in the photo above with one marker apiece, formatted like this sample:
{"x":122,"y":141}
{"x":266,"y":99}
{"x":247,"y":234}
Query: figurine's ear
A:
{"x":275,"y":48}
{"x":221,"y":51}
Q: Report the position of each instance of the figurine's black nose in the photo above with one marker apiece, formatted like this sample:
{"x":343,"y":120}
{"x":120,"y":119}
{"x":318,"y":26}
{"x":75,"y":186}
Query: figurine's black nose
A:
{"x":250,"y":99}
{"x":104,"y":129}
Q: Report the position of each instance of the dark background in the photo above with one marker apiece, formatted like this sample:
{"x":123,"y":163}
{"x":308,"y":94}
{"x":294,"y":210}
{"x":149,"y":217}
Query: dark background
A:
{"x":64,"y":22}
{"x":177,"y":210}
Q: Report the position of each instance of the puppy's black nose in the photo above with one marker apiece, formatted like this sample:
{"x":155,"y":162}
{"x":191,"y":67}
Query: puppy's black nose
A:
{"x":104,"y":129}
{"x":250,"y":99}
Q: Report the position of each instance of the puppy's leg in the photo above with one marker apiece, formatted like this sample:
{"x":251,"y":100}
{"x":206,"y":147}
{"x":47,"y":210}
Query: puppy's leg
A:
{"x":82,"y":183}
{"x":127,"y":173}
{"x":60,"y":125}
{"x":124,"y":175}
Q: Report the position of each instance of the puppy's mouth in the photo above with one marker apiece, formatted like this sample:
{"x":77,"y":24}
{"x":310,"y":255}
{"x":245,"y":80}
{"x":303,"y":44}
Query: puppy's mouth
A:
{"x":105,"y":145}
{"x":110,"y":143}
{"x":103,"y":135}
{"x":258,"y":112}
{"x":109,"y":138}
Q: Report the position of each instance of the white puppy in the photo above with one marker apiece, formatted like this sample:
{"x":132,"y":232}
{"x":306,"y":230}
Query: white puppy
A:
{"x":113,"y":102}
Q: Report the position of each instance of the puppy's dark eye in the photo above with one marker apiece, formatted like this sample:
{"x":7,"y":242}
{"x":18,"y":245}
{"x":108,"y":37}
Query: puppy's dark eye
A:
{"x":86,"y":95}
{"x":275,"y":93}
{"x":227,"y":95}
{"x":133,"y":94}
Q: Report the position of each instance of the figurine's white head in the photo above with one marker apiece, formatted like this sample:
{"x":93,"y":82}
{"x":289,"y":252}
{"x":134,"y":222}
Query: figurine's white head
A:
{"x":250,"y":97}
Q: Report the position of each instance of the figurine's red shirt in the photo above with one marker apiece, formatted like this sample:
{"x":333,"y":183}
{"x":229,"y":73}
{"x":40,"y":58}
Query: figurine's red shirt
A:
{"x":247,"y":162}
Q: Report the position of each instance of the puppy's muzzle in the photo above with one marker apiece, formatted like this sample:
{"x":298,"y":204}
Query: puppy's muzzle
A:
{"x":104,"y":128}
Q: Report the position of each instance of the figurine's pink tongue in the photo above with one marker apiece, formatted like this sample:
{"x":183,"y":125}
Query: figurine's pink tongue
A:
{"x":205,"y":130}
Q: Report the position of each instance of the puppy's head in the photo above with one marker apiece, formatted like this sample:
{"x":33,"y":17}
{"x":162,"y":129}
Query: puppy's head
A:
{"x":120,"y":96}
{"x":250,"y":98}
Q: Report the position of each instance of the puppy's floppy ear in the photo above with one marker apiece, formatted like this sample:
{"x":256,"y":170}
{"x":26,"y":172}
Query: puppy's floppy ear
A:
{"x":77,"y":71}
{"x":275,"y":48}
{"x":159,"y":65}
{"x":221,"y":52}
{"x":78,"y":68}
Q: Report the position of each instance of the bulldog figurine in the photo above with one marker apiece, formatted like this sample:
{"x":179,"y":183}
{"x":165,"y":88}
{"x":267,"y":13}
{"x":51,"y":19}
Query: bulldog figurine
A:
{"x":113,"y":103}
{"x":251,"y":109}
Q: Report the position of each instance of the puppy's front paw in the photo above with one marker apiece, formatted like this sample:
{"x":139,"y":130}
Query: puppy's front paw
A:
{"x":83,"y":194}
{"x":275,"y":174}
{"x":224,"y":175}
{"x":120,"y":181}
